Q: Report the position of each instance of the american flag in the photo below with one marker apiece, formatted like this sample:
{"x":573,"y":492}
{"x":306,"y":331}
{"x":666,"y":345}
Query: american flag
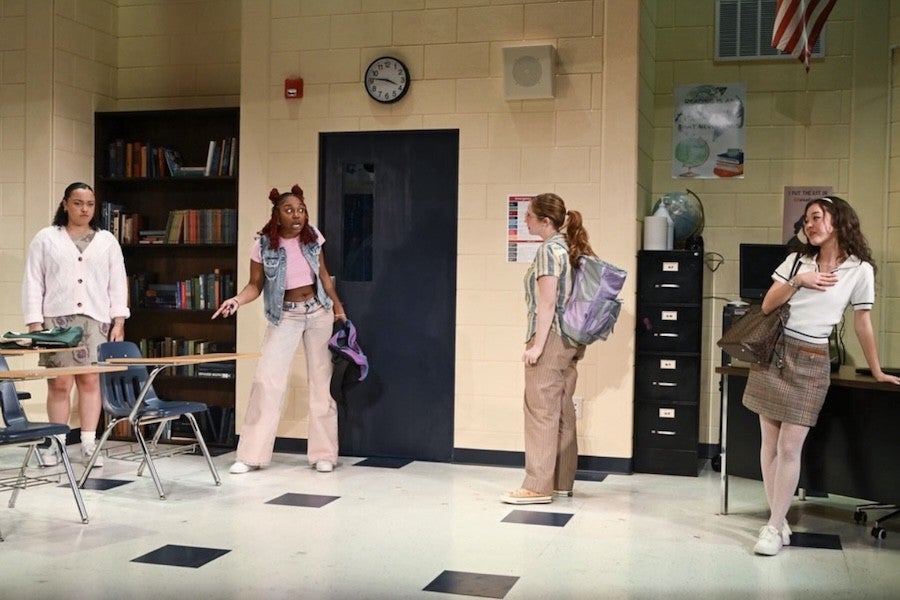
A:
{"x":798,"y":24}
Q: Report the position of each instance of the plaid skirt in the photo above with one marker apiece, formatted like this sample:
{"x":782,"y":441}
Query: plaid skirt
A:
{"x":796,"y":392}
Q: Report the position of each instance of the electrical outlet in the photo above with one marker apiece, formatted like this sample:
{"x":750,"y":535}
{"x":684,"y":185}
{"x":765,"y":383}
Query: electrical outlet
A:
{"x":578,"y":401}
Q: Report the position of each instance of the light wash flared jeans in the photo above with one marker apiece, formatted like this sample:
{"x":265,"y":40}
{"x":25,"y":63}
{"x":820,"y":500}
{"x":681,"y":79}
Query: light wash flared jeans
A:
{"x":257,"y":436}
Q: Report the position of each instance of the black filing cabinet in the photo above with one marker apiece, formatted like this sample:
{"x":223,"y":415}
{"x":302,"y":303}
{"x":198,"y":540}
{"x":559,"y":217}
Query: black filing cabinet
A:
{"x":667,"y":362}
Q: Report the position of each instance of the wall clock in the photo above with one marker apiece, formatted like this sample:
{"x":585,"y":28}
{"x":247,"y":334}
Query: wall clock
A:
{"x":386,"y":79}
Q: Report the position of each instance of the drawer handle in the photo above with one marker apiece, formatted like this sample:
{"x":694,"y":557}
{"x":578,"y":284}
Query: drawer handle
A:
{"x":665,"y":384}
{"x":663,"y":432}
{"x":669,"y":335}
{"x":673,"y":286}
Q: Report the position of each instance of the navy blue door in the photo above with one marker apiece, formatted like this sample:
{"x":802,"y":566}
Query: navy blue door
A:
{"x":388,"y":211}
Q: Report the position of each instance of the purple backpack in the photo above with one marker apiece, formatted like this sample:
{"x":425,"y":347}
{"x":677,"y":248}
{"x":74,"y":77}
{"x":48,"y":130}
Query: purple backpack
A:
{"x":594,"y":306}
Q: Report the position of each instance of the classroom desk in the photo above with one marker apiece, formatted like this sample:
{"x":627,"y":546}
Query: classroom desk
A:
{"x":20,"y":480}
{"x":852,"y":451}
{"x":51,"y":372}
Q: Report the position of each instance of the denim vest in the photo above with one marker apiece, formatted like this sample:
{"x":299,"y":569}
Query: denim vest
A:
{"x":275,"y":270}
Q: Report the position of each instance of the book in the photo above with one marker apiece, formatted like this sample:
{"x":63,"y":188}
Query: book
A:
{"x":173,"y":161}
{"x":210,"y":157}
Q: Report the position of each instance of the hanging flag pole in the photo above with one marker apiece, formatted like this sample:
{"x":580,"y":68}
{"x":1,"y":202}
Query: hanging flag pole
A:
{"x":798,"y":24}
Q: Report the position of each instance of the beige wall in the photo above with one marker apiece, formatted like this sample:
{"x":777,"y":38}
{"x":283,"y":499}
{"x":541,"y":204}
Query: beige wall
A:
{"x":825,"y":127}
{"x":570,"y":144}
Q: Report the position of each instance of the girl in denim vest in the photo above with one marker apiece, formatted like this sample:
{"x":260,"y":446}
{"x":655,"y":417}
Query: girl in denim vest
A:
{"x":287,"y":266}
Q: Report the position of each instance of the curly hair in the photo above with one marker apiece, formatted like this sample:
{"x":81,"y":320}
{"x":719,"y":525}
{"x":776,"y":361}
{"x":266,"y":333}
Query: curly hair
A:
{"x":552,"y":207}
{"x":61,"y":218}
{"x":272,"y":227}
{"x":846,"y":223}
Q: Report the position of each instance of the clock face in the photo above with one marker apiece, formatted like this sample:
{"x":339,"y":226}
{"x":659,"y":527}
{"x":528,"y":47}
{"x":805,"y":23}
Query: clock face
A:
{"x":387,"y":79}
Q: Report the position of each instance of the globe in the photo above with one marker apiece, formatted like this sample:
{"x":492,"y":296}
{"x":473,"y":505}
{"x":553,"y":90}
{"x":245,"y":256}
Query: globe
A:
{"x":691,"y":152}
{"x":686,"y":212}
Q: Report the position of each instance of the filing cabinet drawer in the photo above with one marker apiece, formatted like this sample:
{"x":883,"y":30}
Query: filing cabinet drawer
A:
{"x":670,"y":277}
{"x":668,"y":329}
{"x":666,"y":426}
{"x":667,"y":377}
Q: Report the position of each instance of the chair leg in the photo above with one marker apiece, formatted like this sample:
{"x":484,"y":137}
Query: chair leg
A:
{"x":87,"y":468}
{"x":154,"y":443}
{"x":202,"y":442}
{"x":148,"y":459}
{"x":21,"y":480}
{"x":73,"y":483}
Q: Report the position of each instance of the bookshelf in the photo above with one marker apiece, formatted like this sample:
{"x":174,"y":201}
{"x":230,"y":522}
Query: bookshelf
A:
{"x":167,"y":185}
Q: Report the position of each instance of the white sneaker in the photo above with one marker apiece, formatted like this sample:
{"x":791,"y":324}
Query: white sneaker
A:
{"x":86,"y":452}
{"x":769,"y":543}
{"x":786,"y":534}
{"x":324,"y":466}
{"x":49,"y":457}
{"x":562,"y":493}
{"x":238,"y":467}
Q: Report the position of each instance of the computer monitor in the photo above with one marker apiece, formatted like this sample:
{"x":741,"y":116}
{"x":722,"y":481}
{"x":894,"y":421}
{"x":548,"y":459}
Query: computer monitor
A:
{"x":757,"y":263}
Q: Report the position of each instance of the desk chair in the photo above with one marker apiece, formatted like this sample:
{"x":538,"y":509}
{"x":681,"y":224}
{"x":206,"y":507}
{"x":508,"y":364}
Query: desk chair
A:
{"x":878,"y":532}
{"x":129,"y":396}
{"x":20,"y":431}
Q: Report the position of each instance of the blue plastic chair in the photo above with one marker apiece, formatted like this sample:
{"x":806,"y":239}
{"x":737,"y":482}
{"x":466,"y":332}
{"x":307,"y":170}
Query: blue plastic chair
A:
{"x":20,"y":431}
{"x":129,"y":396}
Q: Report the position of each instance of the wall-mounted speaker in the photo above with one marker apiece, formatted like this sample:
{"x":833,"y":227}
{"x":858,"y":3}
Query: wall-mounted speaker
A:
{"x":529,"y":72}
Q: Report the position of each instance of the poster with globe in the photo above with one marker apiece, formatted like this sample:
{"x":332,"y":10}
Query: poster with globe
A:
{"x":708,"y":131}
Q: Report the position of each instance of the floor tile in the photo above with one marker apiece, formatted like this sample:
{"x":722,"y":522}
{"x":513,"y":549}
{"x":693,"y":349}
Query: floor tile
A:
{"x":472,"y":584}
{"x":181,"y":556}
{"x":531,"y":517}
{"x":307,"y":500}
{"x":384,"y":462}
{"x":102,"y":484}
{"x":800,"y":539}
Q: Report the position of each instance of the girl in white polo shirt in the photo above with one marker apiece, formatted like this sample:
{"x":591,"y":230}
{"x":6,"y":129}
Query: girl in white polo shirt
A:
{"x":834,"y":269}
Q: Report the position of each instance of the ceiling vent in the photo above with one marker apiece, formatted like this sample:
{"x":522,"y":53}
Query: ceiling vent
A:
{"x":744,"y":31}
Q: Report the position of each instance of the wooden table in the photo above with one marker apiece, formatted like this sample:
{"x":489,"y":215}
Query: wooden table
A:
{"x":26,"y":351}
{"x":51,"y":372}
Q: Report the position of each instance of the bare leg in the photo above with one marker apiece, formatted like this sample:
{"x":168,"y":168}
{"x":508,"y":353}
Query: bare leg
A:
{"x":88,"y":401}
{"x":59,"y":390}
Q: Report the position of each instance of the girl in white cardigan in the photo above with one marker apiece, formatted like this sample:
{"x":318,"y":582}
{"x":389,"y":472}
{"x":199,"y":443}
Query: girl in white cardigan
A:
{"x":75,"y":276}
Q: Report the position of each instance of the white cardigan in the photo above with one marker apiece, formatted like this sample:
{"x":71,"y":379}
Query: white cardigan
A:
{"x":59,"y":280}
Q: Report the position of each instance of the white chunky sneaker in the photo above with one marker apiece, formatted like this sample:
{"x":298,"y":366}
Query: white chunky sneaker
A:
{"x":769,"y":543}
{"x":324,"y":466}
{"x":786,"y":534}
{"x":49,"y":457}
{"x":238,"y":467}
{"x":86,"y":452}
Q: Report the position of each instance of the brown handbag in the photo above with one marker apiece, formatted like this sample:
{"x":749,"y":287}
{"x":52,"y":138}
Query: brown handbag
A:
{"x":753,"y":337}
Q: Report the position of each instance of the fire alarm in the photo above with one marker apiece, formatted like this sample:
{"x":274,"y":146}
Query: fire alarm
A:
{"x":293,"y":88}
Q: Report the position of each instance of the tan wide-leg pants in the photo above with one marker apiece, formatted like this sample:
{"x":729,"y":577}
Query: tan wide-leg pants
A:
{"x":257,"y":436}
{"x":551,"y":447}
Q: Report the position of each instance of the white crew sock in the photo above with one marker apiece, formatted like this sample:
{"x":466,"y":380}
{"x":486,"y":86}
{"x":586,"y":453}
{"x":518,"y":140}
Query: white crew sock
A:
{"x":88,"y":439}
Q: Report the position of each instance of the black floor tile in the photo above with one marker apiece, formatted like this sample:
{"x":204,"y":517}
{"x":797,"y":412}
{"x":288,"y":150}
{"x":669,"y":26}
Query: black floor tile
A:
{"x":533,"y":517}
{"x":213,"y":450}
{"x":383,"y":462}
{"x":307,"y":500}
{"x":590,"y":476}
{"x":181,"y":556}
{"x":481,"y":585}
{"x":816,"y":540}
{"x":102,"y":484}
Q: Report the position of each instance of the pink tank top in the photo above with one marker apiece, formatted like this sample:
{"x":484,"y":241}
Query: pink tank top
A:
{"x":299,"y":273}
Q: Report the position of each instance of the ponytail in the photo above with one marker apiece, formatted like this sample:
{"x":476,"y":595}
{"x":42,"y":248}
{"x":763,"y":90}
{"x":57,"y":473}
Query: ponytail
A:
{"x":577,"y":238}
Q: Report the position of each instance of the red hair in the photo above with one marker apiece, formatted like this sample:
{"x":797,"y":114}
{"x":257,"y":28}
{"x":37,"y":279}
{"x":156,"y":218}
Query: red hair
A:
{"x":272,"y":227}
